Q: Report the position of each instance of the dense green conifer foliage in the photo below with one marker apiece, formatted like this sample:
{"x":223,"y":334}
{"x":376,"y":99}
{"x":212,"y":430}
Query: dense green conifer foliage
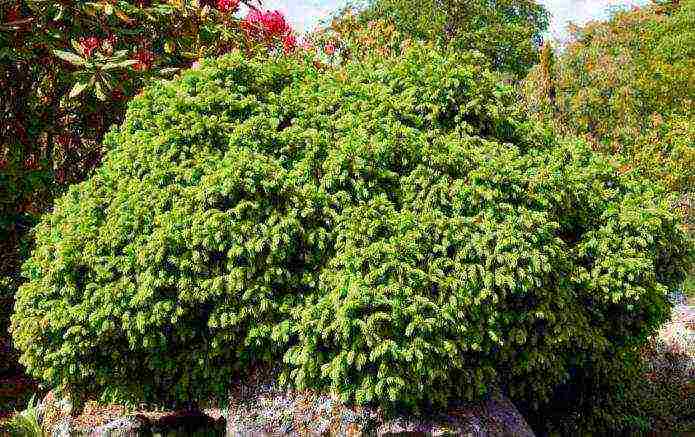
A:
{"x":393,"y":230}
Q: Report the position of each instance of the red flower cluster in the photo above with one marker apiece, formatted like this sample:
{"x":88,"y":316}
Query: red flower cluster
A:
{"x":31,"y":163}
{"x":227,"y":6}
{"x":13,"y":14}
{"x":264,"y":25}
{"x":145,"y":60}
{"x":88,"y":45}
{"x":117,"y":94}
{"x":329,"y":48}
{"x":289,"y":43}
{"x":64,"y":139}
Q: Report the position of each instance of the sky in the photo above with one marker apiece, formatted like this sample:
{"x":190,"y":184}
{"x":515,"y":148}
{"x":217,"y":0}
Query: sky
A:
{"x":306,"y":14}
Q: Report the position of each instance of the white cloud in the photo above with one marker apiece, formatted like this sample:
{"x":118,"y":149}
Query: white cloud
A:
{"x":580,"y":12}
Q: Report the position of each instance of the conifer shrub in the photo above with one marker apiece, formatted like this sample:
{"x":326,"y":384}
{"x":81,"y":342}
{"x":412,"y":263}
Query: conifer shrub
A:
{"x":393,"y":231}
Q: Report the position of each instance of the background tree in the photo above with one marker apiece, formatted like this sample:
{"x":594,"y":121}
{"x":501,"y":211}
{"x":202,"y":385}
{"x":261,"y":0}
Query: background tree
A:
{"x":628,"y":86}
{"x":509,"y":32}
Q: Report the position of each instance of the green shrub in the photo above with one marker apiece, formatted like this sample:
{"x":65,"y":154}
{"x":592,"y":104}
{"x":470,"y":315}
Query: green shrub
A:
{"x":392,"y":230}
{"x":26,"y":423}
{"x":651,"y":396}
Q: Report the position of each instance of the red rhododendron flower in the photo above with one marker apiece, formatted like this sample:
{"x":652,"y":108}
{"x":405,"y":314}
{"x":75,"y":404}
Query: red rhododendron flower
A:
{"x":253,"y":23}
{"x":64,"y":139}
{"x":31,"y":162}
{"x":88,"y":45}
{"x":266,"y":24}
{"x":3,"y":163}
{"x":275,"y":23}
{"x":329,"y":48}
{"x":13,"y":14}
{"x":118,"y":94}
{"x":289,"y":43}
{"x":227,"y":6}
{"x":145,"y":60}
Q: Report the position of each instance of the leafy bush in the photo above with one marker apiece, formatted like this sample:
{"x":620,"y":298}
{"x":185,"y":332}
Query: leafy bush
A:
{"x":651,"y":396}
{"x":393,"y":229}
{"x":626,"y":84}
{"x":26,"y":423}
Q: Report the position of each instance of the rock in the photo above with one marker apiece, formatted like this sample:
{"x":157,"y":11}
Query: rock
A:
{"x":121,"y":427}
{"x":116,"y":421}
{"x":54,"y":414}
{"x":677,"y":297}
{"x":674,"y":346}
{"x":62,"y":428}
{"x":259,"y":406}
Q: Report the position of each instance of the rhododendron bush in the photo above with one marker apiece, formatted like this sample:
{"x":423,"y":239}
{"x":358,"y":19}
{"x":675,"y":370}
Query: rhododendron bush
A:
{"x":67,"y":70}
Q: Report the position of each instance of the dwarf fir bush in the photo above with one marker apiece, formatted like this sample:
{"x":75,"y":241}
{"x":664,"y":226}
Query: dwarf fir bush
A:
{"x":392,"y":231}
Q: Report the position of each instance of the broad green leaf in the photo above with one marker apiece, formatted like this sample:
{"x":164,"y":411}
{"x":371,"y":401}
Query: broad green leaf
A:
{"x":70,"y":57}
{"x":78,"y":88}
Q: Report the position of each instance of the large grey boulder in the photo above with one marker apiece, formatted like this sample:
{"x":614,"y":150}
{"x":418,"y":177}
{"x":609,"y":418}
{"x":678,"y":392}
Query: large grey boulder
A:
{"x":261,"y":407}
{"x":140,"y":425}
{"x":55,"y":414}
